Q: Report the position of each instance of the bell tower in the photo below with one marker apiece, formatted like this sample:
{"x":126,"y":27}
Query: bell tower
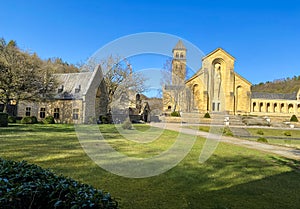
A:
{"x":179,"y":64}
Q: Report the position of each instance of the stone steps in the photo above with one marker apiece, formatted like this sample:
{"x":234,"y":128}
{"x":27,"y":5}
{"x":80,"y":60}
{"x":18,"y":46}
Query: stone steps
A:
{"x":216,"y":118}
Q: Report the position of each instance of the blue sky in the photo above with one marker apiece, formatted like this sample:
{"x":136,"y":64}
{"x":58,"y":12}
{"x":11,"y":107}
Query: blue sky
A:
{"x":263,"y":36}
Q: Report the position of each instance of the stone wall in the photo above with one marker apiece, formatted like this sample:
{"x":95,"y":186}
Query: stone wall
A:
{"x":65,"y":107}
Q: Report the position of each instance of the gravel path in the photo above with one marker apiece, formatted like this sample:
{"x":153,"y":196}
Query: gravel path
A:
{"x":279,"y":150}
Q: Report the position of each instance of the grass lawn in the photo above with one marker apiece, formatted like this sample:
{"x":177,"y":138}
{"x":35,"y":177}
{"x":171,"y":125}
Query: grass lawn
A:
{"x":234,"y":177}
{"x":285,"y":134}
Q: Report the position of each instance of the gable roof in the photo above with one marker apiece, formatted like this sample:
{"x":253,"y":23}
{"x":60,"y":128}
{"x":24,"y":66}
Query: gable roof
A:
{"x":216,"y":50}
{"x":244,"y":79}
{"x":72,"y":85}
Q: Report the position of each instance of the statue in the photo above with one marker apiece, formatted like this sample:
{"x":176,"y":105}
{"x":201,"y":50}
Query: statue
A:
{"x":217,"y":81}
{"x":146,"y":112}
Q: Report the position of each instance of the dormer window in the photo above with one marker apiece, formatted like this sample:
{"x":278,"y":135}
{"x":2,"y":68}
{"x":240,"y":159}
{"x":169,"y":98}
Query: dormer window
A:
{"x":77,"y":89}
{"x":60,"y":89}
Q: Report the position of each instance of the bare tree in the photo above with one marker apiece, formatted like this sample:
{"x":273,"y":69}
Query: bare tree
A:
{"x":119,"y":78}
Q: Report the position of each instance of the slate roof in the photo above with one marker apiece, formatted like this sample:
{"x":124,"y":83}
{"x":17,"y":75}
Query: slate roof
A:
{"x":72,"y":85}
{"x":180,"y":45}
{"x":262,"y":95}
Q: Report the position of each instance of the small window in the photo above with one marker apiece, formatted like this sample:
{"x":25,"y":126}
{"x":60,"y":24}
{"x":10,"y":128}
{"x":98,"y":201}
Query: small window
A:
{"x":75,"y":114}
{"x":60,"y":89}
{"x":28,"y":111}
{"x":181,"y":55}
{"x":42,"y":112}
{"x":56,"y":113}
{"x":177,"y":54}
{"x":169,"y":107}
{"x":77,"y":89}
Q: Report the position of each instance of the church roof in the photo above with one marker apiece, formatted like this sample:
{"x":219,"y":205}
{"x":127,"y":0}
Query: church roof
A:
{"x":219,"y":49}
{"x":179,"y":46}
{"x":263,"y":95}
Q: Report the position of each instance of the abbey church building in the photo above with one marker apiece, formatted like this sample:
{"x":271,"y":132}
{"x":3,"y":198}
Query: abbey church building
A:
{"x":216,"y":87}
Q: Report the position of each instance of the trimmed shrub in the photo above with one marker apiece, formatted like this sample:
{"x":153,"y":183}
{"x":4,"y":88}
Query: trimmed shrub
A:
{"x":21,"y":183}
{"x":3,"y":119}
{"x":12,"y":119}
{"x":294,"y":118}
{"x":262,"y":139}
{"x":34,"y":120}
{"x":175,"y":114}
{"x":287,"y":133}
{"x":104,"y":119}
{"x":227,"y":132}
{"x":49,"y":120}
{"x":207,"y":115}
{"x":127,"y":124}
{"x":26,"y":120}
{"x":260,"y":132}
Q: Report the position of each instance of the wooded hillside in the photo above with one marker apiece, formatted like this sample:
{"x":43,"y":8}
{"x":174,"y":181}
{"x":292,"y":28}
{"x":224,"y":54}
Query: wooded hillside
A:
{"x":286,"y":85}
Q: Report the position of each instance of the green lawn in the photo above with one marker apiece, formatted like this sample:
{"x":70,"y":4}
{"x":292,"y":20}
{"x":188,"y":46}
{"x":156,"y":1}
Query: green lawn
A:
{"x":269,"y":133}
{"x":234,"y":177}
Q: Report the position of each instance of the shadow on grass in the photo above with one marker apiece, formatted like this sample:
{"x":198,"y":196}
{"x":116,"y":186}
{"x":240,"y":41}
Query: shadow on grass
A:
{"x":234,"y":177}
{"x":222,"y":182}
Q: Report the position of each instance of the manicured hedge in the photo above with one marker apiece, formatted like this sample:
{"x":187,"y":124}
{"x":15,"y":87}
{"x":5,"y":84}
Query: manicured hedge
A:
{"x":24,"y":185}
{"x":49,"y":120}
{"x":175,"y":114}
{"x":29,"y":120}
{"x":11,"y":119}
{"x":3,"y":119}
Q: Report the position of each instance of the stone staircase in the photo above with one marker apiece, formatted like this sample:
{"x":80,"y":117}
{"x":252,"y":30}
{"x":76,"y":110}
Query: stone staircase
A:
{"x":216,"y":119}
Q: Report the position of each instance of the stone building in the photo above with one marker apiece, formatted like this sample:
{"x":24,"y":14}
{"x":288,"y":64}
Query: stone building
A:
{"x":216,"y":87}
{"x":77,"y":99}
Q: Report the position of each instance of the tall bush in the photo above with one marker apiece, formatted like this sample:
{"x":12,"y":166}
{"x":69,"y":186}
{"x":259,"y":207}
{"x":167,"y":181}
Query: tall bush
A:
{"x":3,"y":119}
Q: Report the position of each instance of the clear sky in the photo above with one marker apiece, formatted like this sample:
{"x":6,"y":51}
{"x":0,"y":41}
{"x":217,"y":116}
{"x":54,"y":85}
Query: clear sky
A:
{"x":263,"y":36}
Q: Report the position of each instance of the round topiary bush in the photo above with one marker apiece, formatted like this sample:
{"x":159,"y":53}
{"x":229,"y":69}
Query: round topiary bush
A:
{"x":260,"y":132}
{"x":11,"y":119}
{"x":24,"y":185}
{"x":49,"y":120}
{"x":294,"y":118}
{"x":261,"y":139}
{"x":287,"y":133}
{"x":207,"y":115}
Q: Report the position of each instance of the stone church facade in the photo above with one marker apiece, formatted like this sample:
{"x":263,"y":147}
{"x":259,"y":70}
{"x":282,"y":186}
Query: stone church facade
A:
{"x":216,"y":87}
